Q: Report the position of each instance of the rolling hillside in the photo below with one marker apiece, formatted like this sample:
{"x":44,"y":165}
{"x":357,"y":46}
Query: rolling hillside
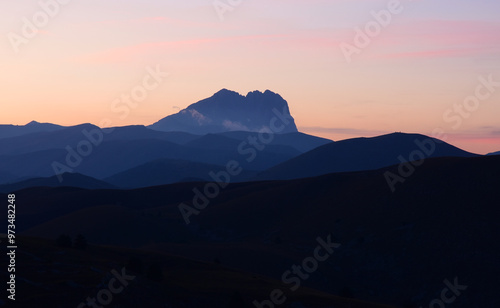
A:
{"x":70,"y":180}
{"x":265,"y":227}
{"x":168,"y":171}
{"x":362,"y":154}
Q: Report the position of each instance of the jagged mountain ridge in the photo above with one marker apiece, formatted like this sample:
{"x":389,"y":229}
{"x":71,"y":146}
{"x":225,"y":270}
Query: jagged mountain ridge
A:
{"x":230,"y":111}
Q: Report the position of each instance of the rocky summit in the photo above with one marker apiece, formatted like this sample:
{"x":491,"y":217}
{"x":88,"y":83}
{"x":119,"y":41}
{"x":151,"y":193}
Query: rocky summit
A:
{"x":230,"y":111}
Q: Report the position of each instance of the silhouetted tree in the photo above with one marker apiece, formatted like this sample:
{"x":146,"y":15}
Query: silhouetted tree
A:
{"x":80,"y":242}
{"x":155,"y":272}
{"x":63,"y":241}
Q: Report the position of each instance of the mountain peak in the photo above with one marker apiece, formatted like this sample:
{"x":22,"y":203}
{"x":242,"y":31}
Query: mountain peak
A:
{"x":228,"y":110}
{"x":32,"y":123}
{"x":226,"y":92}
{"x":265,"y":93}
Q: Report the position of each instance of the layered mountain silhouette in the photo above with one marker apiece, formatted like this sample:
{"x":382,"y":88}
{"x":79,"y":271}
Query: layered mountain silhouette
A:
{"x":119,"y":149}
{"x":229,"y":111}
{"x":126,"y":190}
{"x":7,"y":131}
{"x":114,"y":156}
{"x":495,"y":153}
{"x":202,"y":138}
{"x":71,"y":136}
{"x":70,"y":180}
{"x":363,"y":154}
{"x":299,"y":141}
{"x":136,"y":156}
{"x":265,"y":227}
{"x":167,"y":171}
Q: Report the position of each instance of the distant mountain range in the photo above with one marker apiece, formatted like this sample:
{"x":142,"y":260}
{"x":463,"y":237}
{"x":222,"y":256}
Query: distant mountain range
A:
{"x":360,"y":154}
{"x":70,"y":180}
{"x":184,"y":146}
{"x":135,"y":163}
{"x":229,"y":111}
{"x":7,"y":131}
{"x":126,"y":190}
{"x":34,"y":155}
{"x":167,"y":171}
{"x":495,"y":153}
{"x":188,"y":145}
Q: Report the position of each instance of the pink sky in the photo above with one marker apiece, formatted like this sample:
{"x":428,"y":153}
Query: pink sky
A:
{"x":426,"y":60}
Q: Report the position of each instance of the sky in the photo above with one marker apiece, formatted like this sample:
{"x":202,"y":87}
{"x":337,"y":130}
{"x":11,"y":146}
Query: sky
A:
{"x":348,"y":68}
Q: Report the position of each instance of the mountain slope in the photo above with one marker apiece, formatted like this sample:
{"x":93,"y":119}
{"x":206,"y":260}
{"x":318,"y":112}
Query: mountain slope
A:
{"x":361,"y":154}
{"x":70,"y":180}
{"x":229,"y":111}
{"x":495,"y":153}
{"x":420,"y":235}
{"x":299,"y":141}
{"x":7,"y":177}
{"x":71,"y":136}
{"x":31,"y":165}
{"x":111,"y":157}
{"x":221,"y":142}
{"x":167,"y":171}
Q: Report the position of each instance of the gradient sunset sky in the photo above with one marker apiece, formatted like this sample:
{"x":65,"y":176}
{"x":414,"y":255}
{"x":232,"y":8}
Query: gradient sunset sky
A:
{"x":428,"y":59}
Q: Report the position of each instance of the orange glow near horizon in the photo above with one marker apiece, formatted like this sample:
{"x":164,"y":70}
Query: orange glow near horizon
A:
{"x":424,"y":63}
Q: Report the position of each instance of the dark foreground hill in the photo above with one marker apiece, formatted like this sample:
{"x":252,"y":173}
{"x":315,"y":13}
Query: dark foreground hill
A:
{"x":397,"y":248}
{"x":58,"y":277}
{"x":362,"y":154}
